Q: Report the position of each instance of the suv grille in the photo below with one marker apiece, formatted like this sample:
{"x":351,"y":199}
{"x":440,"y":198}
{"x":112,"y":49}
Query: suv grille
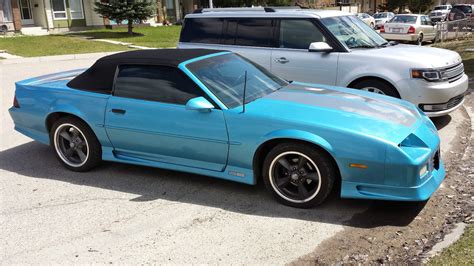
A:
{"x":455,"y":101}
{"x":453,"y":73}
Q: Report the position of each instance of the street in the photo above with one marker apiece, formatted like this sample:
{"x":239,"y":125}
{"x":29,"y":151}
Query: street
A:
{"x":120,"y":213}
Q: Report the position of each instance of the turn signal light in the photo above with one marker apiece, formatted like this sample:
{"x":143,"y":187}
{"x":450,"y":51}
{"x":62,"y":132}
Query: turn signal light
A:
{"x":356,"y":165}
{"x":382,"y":28}
{"x":15,"y":102}
{"x":411,"y":30}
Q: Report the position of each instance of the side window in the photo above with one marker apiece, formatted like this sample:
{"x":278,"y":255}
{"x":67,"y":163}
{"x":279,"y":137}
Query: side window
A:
{"x":202,"y":30}
{"x":255,"y":32}
{"x":155,"y":83}
{"x":428,"y":21}
{"x":299,"y":33}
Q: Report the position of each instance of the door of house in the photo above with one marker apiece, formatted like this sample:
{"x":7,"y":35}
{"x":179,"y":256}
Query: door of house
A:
{"x":25,"y":11}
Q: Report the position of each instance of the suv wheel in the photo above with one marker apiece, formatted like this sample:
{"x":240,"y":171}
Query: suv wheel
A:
{"x":298,"y":175}
{"x":376,"y":86}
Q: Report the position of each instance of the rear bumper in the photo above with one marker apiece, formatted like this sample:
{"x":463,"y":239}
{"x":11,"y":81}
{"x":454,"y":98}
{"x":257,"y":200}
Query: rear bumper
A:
{"x":380,"y":192}
{"x":400,"y":37}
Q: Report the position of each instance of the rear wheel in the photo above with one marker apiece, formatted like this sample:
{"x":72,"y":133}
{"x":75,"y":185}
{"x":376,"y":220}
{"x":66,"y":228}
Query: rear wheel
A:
{"x":372,"y":25}
{"x":76,"y":146}
{"x":419,"y":41}
{"x":376,"y":86}
{"x":298,"y":175}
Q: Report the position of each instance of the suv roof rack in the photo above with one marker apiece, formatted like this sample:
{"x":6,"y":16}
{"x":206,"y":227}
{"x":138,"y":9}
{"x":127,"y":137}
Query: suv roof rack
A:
{"x":240,"y":9}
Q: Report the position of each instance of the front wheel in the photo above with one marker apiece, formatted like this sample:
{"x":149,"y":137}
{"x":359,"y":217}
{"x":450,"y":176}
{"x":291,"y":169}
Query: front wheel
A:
{"x":75,"y":144}
{"x":376,"y":86}
{"x":298,"y":175}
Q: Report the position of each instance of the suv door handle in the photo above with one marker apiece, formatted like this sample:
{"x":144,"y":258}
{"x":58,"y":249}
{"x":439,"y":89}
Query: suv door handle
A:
{"x":282,"y":60}
{"x":118,"y":111}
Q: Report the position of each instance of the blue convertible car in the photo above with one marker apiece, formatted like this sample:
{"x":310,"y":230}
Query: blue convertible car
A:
{"x":216,"y":113}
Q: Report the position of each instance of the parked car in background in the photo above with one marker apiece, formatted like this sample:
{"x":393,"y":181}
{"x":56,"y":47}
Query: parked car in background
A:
{"x":461,"y":11}
{"x":334,"y":48}
{"x":440,"y":13}
{"x":409,"y":28}
{"x":367,"y":19}
{"x":381,"y":18}
{"x":216,"y":113}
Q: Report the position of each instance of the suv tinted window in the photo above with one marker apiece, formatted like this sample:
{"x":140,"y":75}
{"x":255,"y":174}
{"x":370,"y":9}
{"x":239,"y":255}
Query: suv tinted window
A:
{"x":252,"y":32}
{"x":202,"y":30}
{"x":299,"y":33}
{"x":155,"y":83}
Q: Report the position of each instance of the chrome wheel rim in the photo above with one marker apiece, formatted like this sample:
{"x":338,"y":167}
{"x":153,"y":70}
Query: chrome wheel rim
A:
{"x":71,"y":145}
{"x":295,"y":177}
{"x":373,"y":89}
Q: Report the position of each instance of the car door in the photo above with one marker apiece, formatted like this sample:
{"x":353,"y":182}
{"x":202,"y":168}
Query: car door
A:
{"x":253,"y":38}
{"x":428,"y":28}
{"x":146,"y":119}
{"x":292,"y":59}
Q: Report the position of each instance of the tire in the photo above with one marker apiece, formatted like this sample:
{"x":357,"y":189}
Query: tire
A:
{"x":75,"y":144}
{"x":377,"y":86}
{"x":419,"y":41}
{"x":372,"y":25}
{"x":284,"y":176}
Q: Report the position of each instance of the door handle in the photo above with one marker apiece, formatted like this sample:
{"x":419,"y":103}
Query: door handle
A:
{"x":282,"y":60}
{"x":118,"y":111}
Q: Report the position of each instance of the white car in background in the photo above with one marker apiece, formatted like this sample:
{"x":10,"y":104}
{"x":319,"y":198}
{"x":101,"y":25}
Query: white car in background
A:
{"x":367,"y":19}
{"x":381,"y":18}
{"x":333,"y":48}
{"x":409,"y":28}
{"x":440,"y":13}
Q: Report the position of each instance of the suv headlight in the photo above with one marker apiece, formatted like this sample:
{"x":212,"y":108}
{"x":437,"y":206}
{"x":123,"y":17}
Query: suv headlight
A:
{"x":427,"y":74}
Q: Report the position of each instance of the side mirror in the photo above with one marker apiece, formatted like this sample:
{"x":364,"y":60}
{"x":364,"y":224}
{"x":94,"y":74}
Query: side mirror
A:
{"x":320,"y":47}
{"x":199,"y":104}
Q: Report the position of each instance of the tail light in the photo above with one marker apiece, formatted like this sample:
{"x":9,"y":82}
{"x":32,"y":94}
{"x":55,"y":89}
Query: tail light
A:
{"x":15,"y":102}
{"x":411,"y":30}
{"x":382,"y":28}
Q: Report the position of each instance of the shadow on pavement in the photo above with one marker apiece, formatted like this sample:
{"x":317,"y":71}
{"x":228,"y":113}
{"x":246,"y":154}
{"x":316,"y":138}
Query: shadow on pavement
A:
{"x":36,"y":160}
{"x":441,"y":122}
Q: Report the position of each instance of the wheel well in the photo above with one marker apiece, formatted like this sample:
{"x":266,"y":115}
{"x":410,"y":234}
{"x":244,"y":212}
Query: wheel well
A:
{"x":52,"y":118}
{"x":373,"y":78}
{"x":264,"y":149}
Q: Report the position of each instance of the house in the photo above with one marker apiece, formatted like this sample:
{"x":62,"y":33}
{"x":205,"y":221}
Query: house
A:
{"x":38,"y":17}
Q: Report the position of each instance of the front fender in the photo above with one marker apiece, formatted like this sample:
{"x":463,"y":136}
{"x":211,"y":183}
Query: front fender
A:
{"x":297,"y":135}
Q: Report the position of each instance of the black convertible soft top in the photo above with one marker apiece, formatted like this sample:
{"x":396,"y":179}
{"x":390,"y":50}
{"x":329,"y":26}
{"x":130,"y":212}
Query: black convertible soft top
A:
{"x":100,"y":76}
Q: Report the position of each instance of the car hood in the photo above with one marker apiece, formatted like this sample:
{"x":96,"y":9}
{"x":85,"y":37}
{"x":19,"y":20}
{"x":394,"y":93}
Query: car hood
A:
{"x":341,"y":109}
{"x":420,"y":56}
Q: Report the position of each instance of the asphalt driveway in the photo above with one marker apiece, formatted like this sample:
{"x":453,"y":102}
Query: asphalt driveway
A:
{"x":128,"y":214}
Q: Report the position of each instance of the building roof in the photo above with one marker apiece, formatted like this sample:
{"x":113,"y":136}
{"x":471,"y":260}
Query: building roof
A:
{"x":100,"y":76}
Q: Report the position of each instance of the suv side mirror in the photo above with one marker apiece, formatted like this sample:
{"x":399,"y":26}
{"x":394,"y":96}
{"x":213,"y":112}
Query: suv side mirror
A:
{"x":199,"y":104}
{"x":320,"y":47}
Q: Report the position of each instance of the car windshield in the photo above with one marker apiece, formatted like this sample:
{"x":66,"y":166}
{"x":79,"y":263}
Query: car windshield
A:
{"x":353,"y":32}
{"x":380,"y":15}
{"x":441,"y":8}
{"x":404,"y":19}
{"x":224,"y":76}
{"x":464,"y":9}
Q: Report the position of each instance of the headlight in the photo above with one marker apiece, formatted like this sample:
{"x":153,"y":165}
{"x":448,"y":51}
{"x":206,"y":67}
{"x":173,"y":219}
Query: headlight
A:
{"x":429,"y":75}
{"x":424,"y":170}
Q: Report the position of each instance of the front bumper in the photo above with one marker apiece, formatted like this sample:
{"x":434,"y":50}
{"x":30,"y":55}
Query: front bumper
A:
{"x":421,"y":92}
{"x":400,"y":37}
{"x":381,"y":192}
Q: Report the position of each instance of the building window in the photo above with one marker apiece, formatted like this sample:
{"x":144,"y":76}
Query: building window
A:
{"x":59,"y":9}
{"x":7,"y":11}
{"x":76,"y":9}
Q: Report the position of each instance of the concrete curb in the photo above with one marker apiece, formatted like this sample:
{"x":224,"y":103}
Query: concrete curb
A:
{"x":54,"y":58}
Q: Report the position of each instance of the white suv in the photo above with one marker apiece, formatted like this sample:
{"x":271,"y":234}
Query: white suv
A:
{"x":334,"y":48}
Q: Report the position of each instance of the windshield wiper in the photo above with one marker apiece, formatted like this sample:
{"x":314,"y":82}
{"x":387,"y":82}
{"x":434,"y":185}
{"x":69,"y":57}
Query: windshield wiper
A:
{"x":363,"y":46}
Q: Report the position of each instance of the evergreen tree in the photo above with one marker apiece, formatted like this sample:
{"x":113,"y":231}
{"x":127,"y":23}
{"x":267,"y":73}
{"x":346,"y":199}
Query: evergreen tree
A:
{"x":131,"y":10}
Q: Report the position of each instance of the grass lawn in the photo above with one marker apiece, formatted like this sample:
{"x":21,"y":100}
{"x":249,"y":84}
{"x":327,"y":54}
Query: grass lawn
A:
{"x":460,"y":47}
{"x":157,"y":37}
{"x":460,"y":253}
{"x":29,"y":46}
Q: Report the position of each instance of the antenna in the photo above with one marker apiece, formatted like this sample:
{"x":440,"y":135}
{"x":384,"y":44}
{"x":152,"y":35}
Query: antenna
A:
{"x":245,"y":90}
